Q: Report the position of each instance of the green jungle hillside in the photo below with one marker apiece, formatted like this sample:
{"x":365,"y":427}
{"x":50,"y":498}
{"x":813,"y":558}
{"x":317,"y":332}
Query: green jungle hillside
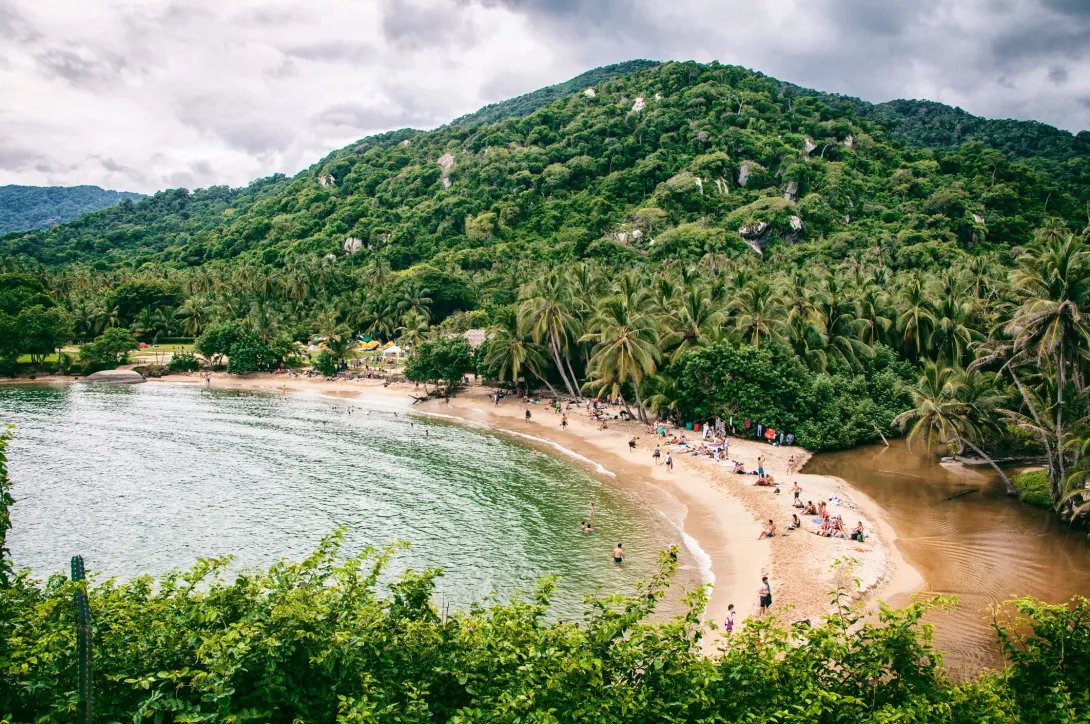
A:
{"x":39,"y":207}
{"x":675,"y":160}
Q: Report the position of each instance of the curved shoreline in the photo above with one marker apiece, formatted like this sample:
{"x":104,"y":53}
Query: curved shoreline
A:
{"x":722,"y":511}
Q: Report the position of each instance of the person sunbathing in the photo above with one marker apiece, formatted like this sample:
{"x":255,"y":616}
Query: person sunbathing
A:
{"x":857,"y":533}
{"x":809,"y":509}
{"x":822,"y":511}
{"x":795,"y":523}
{"x":739,"y":468}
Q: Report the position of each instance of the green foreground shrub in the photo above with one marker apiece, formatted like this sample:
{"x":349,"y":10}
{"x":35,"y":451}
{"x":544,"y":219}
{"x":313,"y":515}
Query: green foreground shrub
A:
{"x":323,"y":640}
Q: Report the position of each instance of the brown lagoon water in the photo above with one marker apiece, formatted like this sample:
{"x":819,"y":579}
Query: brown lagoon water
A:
{"x":142,"y":479}
{"x":983,"y":547}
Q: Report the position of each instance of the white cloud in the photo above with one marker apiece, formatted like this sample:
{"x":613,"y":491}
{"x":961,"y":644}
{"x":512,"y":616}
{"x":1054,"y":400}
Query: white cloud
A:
{"x":141,"y":95}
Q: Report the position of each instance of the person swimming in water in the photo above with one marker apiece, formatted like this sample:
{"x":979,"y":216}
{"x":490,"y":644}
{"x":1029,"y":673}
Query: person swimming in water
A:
{"x":618,"y":554}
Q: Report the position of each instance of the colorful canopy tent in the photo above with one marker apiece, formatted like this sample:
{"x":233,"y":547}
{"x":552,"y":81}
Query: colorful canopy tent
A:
{"x":394,"y":350}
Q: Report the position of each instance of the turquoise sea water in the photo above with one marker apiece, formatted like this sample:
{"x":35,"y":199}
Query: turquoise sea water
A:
{"x":145,"y":478}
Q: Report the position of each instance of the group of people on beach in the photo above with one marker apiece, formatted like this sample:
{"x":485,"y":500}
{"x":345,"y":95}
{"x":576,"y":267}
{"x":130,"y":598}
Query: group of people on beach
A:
{"x":714,"y":443}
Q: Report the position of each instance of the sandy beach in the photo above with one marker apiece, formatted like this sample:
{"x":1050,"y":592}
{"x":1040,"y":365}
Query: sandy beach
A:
{"x":720,"y":514}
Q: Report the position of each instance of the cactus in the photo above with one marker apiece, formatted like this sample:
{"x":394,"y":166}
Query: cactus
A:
{"x":83,"y":642}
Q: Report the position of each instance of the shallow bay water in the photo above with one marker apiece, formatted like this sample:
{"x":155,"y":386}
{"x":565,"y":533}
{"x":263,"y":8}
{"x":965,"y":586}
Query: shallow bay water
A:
{"x":147,"y":478}
{"x":983,"y":546}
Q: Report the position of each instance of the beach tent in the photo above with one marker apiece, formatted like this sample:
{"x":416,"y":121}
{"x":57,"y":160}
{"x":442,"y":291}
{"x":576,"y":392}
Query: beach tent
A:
{"x":394,"y":350}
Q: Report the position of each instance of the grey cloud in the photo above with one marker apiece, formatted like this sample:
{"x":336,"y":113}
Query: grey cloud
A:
{"x":15,"y":27}
{"x":242,"y":92}
{"x":230,"y":120}
{"x":13,"y":158}
{"x":335,"y":51}
{"x":359,"y":118}
{"x":1076,"y":8}
{"x":884,"y":18}
{"x":412,"y":25}
{"x":80,"y":66}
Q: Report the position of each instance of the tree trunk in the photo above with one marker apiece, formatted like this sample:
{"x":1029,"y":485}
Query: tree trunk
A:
{"x":1050,"y":454}
{"x":639,"y":402}
{"x":547,"y":384}
{"x":1011,"y":490}
{"x":574,"y":379}
{"x":1056,"y":485}
{"x":559,"y":365}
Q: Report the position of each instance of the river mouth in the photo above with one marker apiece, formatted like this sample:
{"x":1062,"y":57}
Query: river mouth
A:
{"x":982,"y":546}
{"x":148,"y":478}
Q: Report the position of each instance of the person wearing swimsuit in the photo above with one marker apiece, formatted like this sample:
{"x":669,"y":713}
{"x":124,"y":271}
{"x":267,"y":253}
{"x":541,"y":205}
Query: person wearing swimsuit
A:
{"x":765,"y":594}
{"x":618,"y":554}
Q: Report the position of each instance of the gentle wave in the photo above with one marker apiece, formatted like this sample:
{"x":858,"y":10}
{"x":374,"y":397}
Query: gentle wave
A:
{"x":571,"y":453}
{"x":701,"y":556}
{"x":482,"y":425}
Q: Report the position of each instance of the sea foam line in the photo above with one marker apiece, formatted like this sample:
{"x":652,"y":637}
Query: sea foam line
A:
{"x":704,"y":561}
{"x":571,"y":453}
{"x":701,"y":556}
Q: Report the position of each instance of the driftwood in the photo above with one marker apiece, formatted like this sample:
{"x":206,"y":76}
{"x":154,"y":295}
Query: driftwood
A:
{"x":961,"y":493}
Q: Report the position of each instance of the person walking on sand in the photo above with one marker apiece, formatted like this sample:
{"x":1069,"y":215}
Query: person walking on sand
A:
{"x":669,"y":463}
{"x":797,"y":491}
{"x":632,"y":444}
{"x":563,"y":422}
{"x":728,"y":624}
{"x":657,"y":455}
{"x":761,"y":465}
{"x":764,"y":594}
{"x":618,"y":554}
{"x":527,"y":414}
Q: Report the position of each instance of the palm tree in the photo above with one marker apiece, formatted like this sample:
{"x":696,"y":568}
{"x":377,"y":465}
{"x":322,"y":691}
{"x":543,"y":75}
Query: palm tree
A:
{"x":379,"y":318}
{"x":546,"y":314}
{"x":842,"y":327}
{"x":413,"y":330}
{"x":1053,"y":286}
{"x":193,"y":315}
{"x":806,"y":338}
{"x":509,"y":352}
{"x":144,"y":324}
{"x":946,"y":407}
{"x":694,"y":322}
{"x":414,"y":298}
{"x":915,"y":318}
{"x":625,"y":350}
{"x":759,"y":311}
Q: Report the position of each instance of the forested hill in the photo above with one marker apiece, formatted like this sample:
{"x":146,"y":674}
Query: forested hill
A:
{"x":526,"y":104}
{"x":674,"y":160}
{"x":39,"y":207}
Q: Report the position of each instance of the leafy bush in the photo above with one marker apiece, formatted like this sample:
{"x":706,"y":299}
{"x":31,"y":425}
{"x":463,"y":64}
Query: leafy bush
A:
{"x":443,"y":360}
{"x":250,"y":353}
{"x":325,"y":363}
{"x":1033,"y":488}
{"x":112,"y":347}
{"x":184,"y":362}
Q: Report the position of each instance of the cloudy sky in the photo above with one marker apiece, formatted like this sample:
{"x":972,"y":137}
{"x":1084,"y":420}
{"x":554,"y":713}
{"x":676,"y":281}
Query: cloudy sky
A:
{"x":142,"y":95}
